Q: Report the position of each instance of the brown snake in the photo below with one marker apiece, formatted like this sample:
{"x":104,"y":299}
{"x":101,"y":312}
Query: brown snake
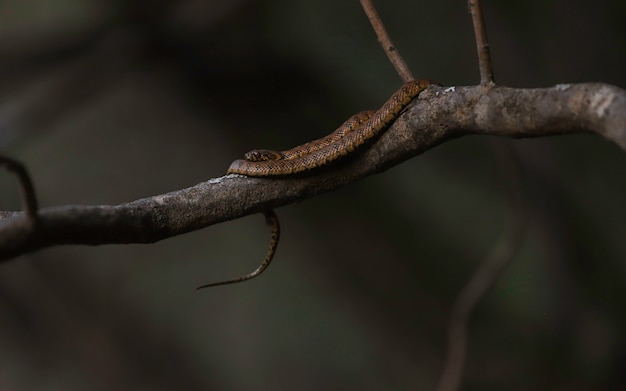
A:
{"x":352,"y":134}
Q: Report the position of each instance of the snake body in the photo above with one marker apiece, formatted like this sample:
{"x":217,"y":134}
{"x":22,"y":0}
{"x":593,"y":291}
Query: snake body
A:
{"x":272,"y":221}
{"x":352,"y":134}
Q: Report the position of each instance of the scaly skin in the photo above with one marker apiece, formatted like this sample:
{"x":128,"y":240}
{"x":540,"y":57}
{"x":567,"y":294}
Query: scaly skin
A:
{"x":351,"y":135}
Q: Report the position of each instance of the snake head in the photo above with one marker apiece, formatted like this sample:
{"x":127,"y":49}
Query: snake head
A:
{"x":260,"y":155}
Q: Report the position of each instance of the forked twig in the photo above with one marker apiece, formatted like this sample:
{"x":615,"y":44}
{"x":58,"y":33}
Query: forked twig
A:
{"x":482,"y":44}
{"x":385,"y":41}
{"x":504,"y":250}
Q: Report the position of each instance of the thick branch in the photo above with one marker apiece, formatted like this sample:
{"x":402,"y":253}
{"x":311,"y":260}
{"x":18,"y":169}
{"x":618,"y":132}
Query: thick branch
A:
{"x":439,"y":114}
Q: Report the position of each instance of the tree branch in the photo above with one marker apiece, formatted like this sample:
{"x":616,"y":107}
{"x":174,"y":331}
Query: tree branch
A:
{"x":482,"y":44}
{"x":385,"y":41}
{"x":438,"y":115}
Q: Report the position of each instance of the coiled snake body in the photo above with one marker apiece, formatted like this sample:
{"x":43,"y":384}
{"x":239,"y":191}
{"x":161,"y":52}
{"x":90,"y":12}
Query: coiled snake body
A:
{"x":351,"y":135}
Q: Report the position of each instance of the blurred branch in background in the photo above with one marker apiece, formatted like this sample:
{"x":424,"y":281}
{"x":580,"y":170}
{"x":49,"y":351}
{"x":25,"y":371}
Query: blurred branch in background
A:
{"x":487,"y":274}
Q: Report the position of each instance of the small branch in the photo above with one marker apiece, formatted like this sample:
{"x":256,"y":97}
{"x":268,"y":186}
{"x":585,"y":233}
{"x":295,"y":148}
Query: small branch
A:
{"x":29,"y":200}
{"x":24,"y":225}
{"x":482,"y":44}
{"x":438,"y":115}
{"x":385,"y":41}
{"x":487,"y":273}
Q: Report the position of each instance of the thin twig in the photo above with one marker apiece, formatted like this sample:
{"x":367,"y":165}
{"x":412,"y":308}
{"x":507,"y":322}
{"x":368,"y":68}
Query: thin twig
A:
{"x":385,"y":41}
{"x":29,"y":200}
{"x":505,"y":249}
{"x":482,"y":44}
{"x":487,"y":273}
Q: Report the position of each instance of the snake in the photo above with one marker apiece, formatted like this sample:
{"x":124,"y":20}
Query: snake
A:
{"x":354,"y":133}
{"x":347,"y":138}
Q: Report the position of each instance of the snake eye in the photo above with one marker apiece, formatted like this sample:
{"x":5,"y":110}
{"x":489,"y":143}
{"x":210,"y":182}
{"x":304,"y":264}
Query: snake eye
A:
{"x":260,"y":155}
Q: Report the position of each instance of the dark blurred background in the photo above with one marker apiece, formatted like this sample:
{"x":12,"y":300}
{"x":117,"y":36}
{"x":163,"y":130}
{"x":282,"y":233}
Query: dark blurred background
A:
{"x":110,"y":101}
